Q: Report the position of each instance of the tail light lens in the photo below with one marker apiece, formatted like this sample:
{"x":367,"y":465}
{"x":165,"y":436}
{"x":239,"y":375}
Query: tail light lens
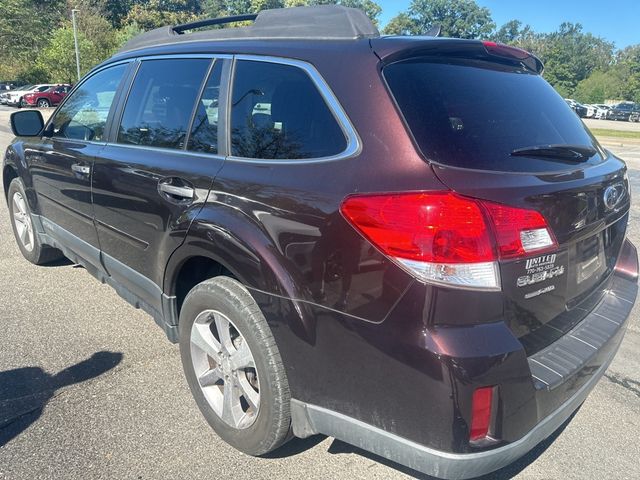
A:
{"x":481,"y":412}
{"x":446,"y":238}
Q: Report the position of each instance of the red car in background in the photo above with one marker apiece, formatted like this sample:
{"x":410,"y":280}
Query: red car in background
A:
{"x":49,"y":98}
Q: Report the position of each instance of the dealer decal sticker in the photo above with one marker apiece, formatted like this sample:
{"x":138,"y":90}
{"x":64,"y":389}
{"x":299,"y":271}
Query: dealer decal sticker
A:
{"x":539,"y":269}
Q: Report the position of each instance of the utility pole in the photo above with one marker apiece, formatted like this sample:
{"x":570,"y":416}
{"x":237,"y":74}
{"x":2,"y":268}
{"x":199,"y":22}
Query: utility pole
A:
{"x":75,"y":39}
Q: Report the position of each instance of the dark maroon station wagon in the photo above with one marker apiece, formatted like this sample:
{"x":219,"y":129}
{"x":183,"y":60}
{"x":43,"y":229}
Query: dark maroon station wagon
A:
{"x":411,"y":244}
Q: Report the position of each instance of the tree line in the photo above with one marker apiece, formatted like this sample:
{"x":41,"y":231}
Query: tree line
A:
{"x":37,"y":45}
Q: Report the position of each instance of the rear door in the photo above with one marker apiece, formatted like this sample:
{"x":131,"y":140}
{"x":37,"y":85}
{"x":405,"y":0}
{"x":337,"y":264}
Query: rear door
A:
{"x":151,"y":180}
{"x":471,"y":118}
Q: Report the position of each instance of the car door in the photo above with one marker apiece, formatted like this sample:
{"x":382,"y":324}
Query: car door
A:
{"x":57,"y":95}
{"x":61,"y":162}
{"x":154,"y":176}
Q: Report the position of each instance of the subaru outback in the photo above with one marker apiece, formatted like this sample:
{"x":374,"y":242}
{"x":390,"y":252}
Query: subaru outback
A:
{"x":411,"y":244}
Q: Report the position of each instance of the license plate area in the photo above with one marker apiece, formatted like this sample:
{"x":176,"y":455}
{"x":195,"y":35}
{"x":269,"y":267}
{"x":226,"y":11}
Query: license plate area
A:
{"x":590,"y":258}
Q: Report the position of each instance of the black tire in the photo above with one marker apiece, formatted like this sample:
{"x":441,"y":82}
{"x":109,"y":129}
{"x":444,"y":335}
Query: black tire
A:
{"x":273,"y":420}
{"x":40,"y":254}
{"x":43,"y":103}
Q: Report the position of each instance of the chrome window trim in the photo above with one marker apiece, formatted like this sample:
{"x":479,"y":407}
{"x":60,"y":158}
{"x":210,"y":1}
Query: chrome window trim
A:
{"x":166,"y":150}
{"x":84,"y":79}
{"x":354,"y":145}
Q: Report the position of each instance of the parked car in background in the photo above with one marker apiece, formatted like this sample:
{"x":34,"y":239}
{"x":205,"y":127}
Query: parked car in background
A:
{"x":6,"y":86}
{"x":49,"y":98}
{"x":16,"y":97}
{"x":591,"y":111}
{"x":580,"y":109}
{"x":634,"y":117}
{"x":601,"y":111}
{"x":4,"y":93}
{"x":623,"y":111}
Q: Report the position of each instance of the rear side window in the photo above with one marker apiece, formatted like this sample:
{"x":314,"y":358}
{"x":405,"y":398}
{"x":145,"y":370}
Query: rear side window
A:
{"x":473,"y":114}
{"x":161,"y":101}
{"x":277,"y":112}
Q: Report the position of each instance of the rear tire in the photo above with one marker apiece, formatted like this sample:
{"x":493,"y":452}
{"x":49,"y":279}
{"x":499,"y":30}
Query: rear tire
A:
{"x":218,"y":312}
{"x":23,"y":229}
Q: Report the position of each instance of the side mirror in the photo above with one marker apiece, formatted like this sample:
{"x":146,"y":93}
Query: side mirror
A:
{"x":27,"y":123}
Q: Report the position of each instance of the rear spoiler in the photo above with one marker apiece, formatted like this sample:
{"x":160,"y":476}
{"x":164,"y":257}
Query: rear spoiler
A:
{"x":393,"y":49}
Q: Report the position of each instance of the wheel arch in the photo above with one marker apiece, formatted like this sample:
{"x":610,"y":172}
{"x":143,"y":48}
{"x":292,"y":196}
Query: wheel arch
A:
{"x":221,"y":242}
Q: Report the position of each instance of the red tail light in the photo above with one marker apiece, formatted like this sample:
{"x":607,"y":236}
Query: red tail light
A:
{"x":481,"y":409}
{"x":443,"y":237}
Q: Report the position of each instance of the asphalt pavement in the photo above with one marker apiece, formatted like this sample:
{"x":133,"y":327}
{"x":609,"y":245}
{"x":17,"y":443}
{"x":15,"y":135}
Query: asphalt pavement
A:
{"x":90,"y":388}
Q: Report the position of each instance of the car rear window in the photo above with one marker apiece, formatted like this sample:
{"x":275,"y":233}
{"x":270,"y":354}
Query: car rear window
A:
{"x":474,"y":113}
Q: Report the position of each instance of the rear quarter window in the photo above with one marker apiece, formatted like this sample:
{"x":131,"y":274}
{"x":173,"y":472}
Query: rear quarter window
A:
{"x":277,"y":112}
{"x":473,"y":114}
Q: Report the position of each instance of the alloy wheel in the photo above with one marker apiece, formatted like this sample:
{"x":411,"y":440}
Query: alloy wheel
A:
{"x":22,"y":220}
{"x":225,"y":368}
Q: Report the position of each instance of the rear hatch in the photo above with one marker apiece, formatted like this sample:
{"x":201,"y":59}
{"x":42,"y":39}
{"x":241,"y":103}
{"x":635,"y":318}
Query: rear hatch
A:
{"x":494,"y":129}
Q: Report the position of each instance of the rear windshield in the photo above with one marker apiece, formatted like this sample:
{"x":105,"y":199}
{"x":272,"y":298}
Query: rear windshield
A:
{"x":473,"y":114}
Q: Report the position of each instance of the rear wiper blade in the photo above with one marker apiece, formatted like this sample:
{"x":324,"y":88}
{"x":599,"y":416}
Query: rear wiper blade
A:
{"x":564,"y":152}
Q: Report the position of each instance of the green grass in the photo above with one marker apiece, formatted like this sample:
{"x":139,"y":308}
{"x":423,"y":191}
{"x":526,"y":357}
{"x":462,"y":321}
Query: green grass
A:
{"x":607,"y":132}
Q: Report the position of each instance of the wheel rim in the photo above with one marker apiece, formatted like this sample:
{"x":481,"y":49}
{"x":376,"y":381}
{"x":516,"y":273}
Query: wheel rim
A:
{"x":22,"y":221}
{"x":42,"y":103}
{"x":225,"y":369}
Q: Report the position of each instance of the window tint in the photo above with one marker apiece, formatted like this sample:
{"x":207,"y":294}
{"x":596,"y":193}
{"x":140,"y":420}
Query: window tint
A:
{"x":83,"y":116}
{"x":473,"y":114}
{"x":204,"y":133}
{"x":277,"y":112}
{"x":161,"y":101}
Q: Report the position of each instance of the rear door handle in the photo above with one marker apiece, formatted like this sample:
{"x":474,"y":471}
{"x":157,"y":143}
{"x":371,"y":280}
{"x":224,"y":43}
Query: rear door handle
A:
{"x":81,"y":169}
{"x":186,"y":193}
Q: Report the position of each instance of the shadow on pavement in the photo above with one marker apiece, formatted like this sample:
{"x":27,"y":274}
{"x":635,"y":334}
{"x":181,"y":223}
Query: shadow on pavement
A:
{"x":504,"y":473}
{"x":24,"y":392}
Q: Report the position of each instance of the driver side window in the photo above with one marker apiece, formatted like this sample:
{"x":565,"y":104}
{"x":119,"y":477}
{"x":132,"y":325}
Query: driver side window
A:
{"x":84,"y":115}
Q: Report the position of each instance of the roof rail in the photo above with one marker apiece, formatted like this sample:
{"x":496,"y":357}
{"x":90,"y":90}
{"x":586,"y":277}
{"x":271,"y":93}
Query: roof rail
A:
{"x":213,"y":21}
{"x":321,"y":22}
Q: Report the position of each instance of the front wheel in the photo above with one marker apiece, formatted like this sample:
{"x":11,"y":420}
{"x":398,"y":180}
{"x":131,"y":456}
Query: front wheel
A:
{"x":43,"y":103}
{"x":233,"y":366}
{"x":23,"y":230}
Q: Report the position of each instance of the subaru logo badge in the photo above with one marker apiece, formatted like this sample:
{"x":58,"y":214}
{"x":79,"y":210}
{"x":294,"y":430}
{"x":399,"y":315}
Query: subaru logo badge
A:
{"x":613,"y":195}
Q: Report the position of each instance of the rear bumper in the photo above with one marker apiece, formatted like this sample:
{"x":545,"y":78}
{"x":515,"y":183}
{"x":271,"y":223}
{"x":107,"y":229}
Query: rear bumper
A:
{"x":424,"y":459}
{"x":558,"y":380}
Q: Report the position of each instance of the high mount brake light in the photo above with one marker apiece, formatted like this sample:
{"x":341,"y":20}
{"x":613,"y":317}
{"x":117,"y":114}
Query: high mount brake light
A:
{"x":445,"y":238}
{"x":501,"y":50}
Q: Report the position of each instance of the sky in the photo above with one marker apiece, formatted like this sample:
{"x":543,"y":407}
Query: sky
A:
{"x":617,"y":21}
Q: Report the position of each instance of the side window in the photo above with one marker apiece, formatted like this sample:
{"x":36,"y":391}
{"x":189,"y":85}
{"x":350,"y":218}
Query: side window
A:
{"x":84,"y":115}
{"x":44,"y":88}
{"x":277,"y":112}
{"x":204,"y":132}
{"x":161,"y":101}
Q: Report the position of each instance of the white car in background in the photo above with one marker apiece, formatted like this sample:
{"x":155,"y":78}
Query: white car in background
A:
{"x":601,"y":111}
{"x":14,"y":97}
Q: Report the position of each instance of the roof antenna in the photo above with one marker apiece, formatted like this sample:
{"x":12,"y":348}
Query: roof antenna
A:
{"x":434,"y":31}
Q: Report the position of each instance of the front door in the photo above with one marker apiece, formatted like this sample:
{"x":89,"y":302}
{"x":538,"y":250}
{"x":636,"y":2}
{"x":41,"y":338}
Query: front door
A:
{"x":61,"y":162}
{"x":153,"y":179}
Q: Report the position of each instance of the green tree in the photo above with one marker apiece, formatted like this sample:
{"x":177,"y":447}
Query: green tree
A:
{"x":570,"y":56}
{"x":149,"y":14}
{"x":514,"y":33}
{"x":457,"y":18}
{"x":24,"y":30}
{"x":59,"y":60}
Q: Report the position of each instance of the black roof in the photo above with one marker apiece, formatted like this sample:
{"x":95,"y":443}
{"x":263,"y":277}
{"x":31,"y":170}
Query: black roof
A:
{"x":322,"y":22}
